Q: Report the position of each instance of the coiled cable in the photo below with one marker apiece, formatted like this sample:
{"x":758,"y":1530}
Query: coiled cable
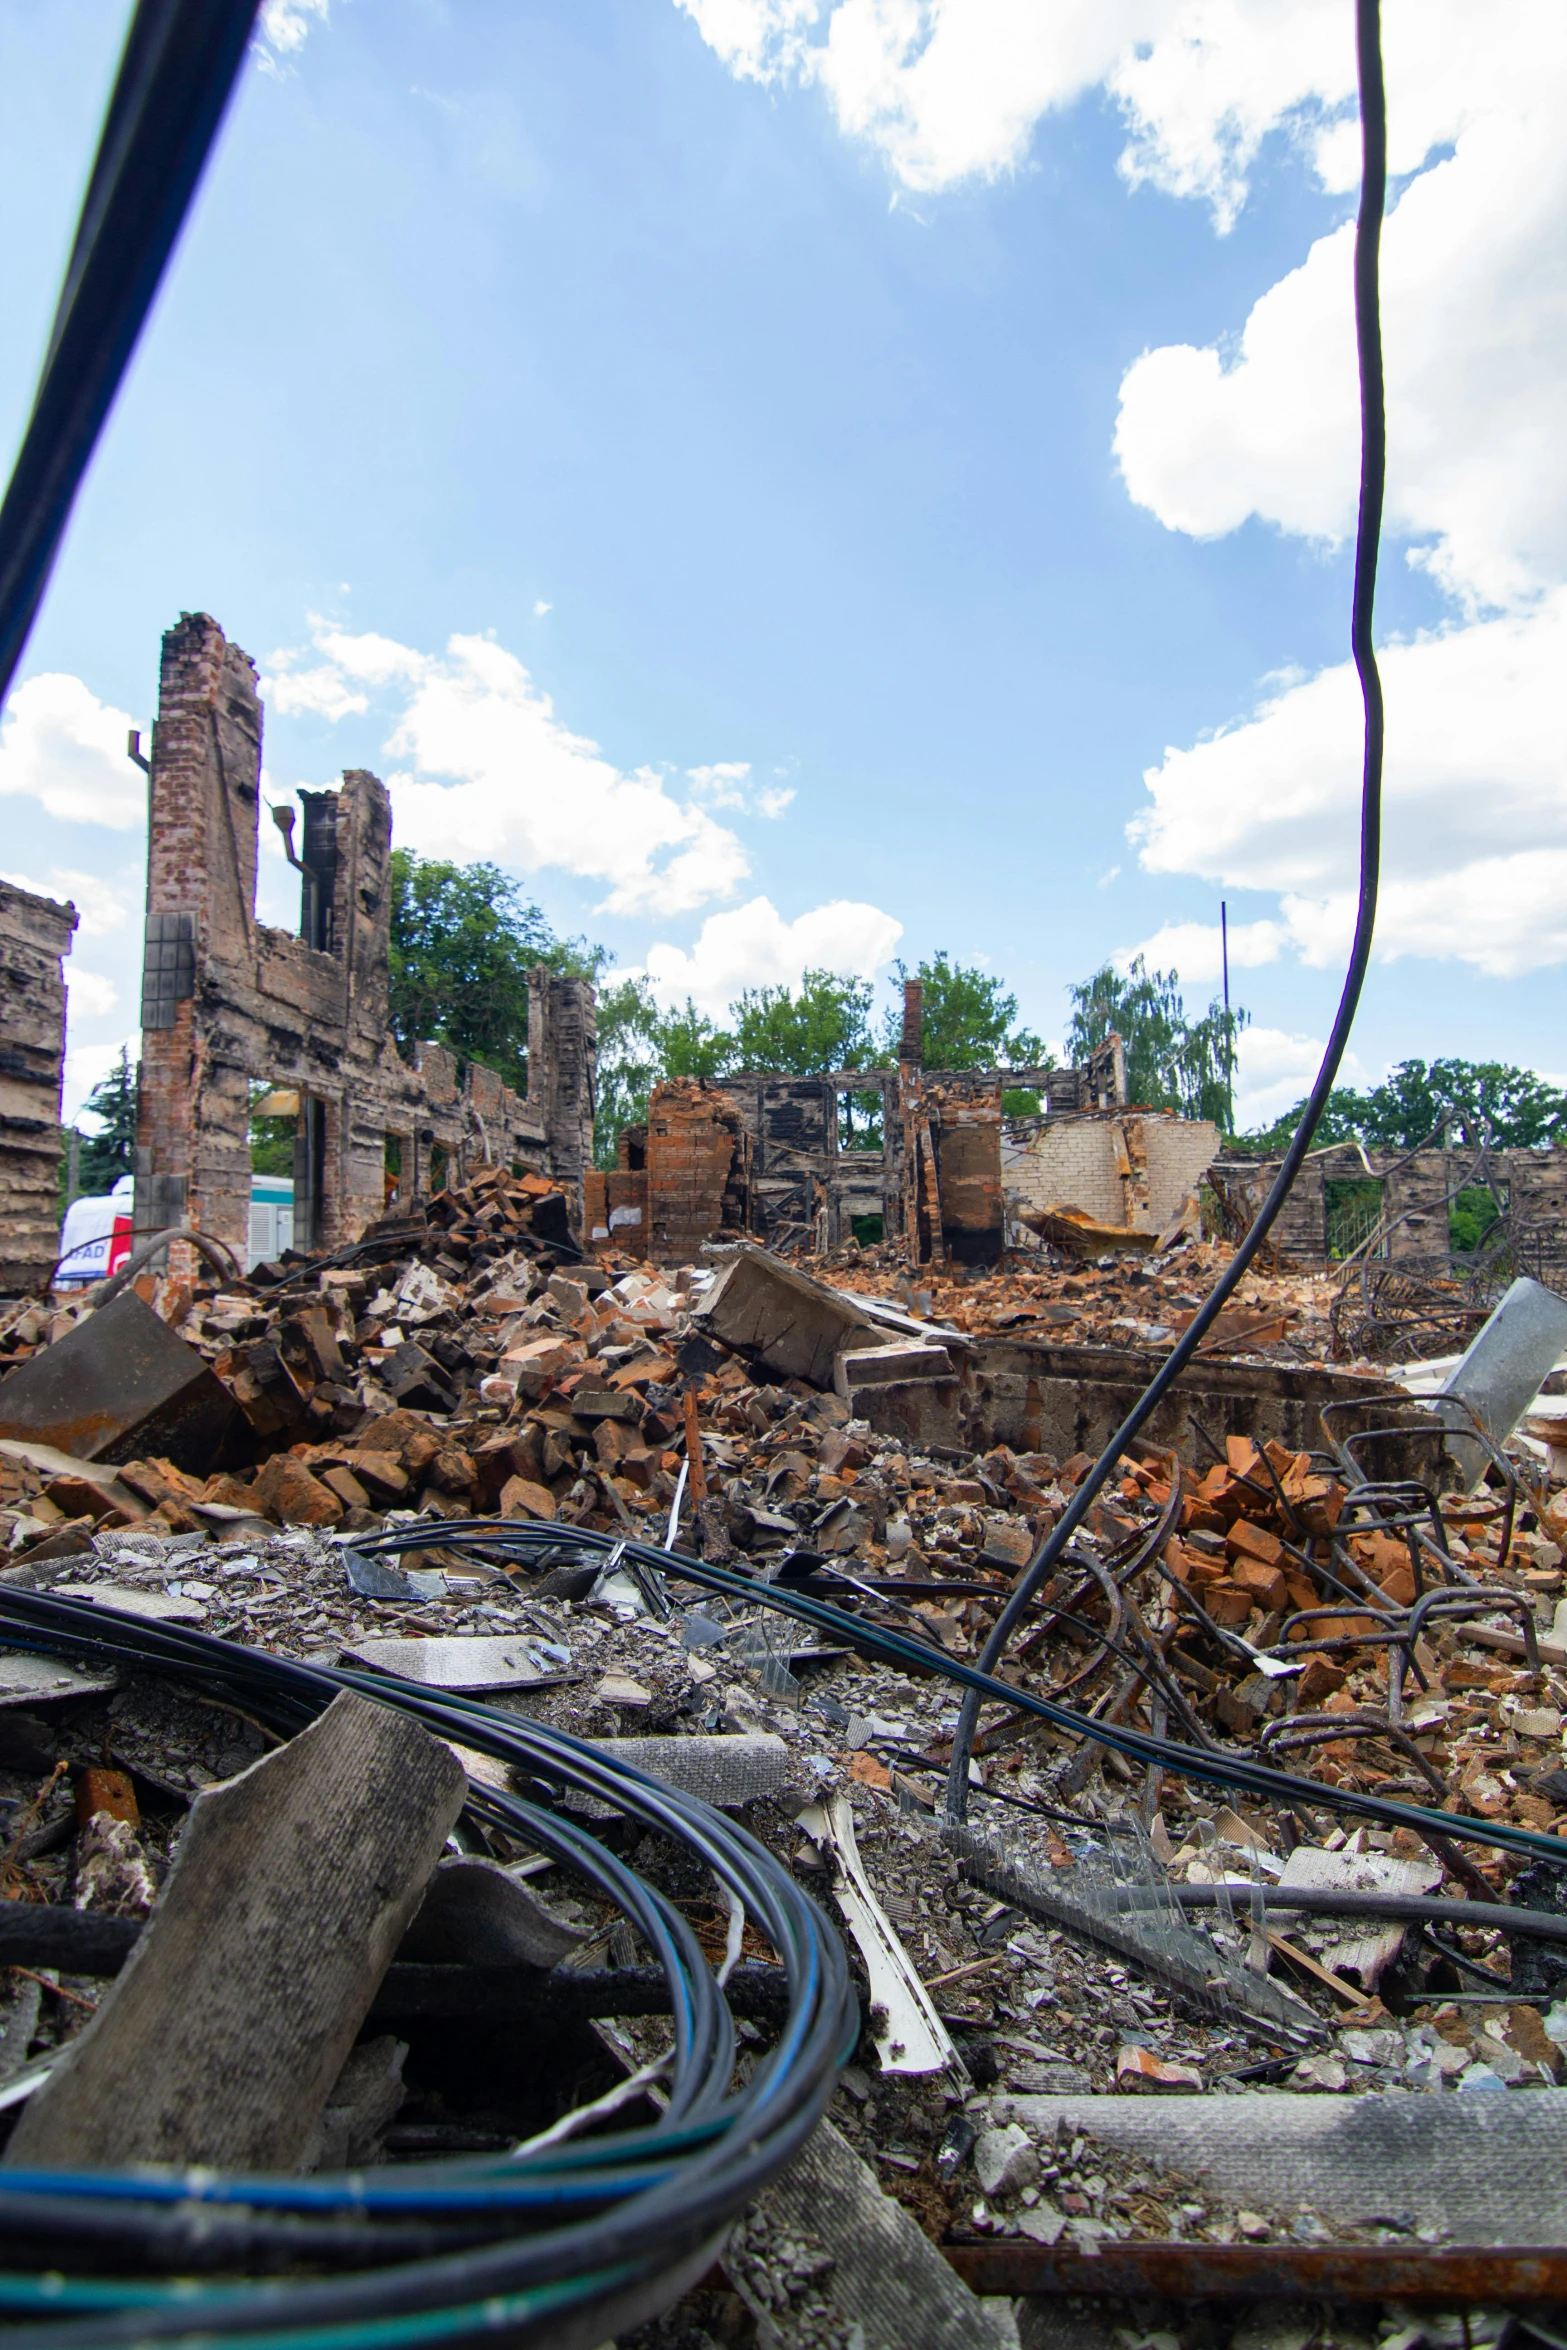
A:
{"x":448,"y":2252}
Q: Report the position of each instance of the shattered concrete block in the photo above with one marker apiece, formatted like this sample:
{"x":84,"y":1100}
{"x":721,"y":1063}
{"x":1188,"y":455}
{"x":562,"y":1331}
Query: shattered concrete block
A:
{"x":304,"y":1872}
{"x":825,"y":2248}
{"x":1005,"y":2160}
{"x":857,"y":1367}
{"x":779,"y":1317}
{"x":1140,"y":2069}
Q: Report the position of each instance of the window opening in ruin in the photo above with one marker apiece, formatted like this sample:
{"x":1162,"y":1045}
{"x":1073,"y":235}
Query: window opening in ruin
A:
{"x":309,"y":1172}
{"x":868,"y":1230}
{"x":1472,"y":1216}
{"x":318,"y":870}
{"x":1353,"y":1207}
{"x":391,"y":1167}
{"x":859,"y":1124}
{"x":439,"y":1168}
{"x":274,"y":1116}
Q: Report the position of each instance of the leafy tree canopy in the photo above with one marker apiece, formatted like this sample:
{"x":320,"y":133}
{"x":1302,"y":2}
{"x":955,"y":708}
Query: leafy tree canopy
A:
{"x":1173,"y":1062}
{"x":823,"y":1025}
{"x":464,"y":939}
{"x":1461,"y":1104}
{"x":969,"y":1015}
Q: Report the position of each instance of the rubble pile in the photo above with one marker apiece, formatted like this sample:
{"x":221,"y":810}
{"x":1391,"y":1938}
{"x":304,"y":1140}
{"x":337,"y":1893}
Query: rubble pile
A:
{"x":465,"y":1369}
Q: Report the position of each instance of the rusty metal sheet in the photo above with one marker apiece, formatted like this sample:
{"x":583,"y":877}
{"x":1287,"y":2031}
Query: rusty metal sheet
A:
{"x":120,"y":1386}
{"x":1164,"y":2270}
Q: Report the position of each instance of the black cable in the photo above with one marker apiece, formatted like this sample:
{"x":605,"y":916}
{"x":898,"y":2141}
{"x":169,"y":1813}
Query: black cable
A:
{"x":1373,"y":465}
{"x":1211,"y":1766}
{"x":564,"y":2228}
{"x":178,"y":67}
{"x":1542,"y":1925}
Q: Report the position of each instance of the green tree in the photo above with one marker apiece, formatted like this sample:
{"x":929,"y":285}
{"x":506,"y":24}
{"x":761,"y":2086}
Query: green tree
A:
{"x":968,"y":1019}
{"x":271,"y":1138}
{"x":1173,"y":1062}
{"x":968,"y":1024}
{"x":691,"y":1045}
{"x":464,"y":939}
{"x":111,"y":1152}
{"x":638,"y":1046}
{"x":1459,"y":1104}
{"x":1340,"y":1122}
{"x":629,"y":1061}
{"x":825,"y":1024}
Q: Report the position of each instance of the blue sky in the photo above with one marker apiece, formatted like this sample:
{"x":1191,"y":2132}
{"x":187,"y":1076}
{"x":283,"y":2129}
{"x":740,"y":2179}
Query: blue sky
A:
{"x":779,"y":475}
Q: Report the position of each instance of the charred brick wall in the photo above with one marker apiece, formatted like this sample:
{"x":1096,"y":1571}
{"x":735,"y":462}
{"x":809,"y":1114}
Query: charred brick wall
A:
{"x":228,"y":1000}
{"x":698,"y":1169}
{"x":1530,"y":1187}
{"x":35,"y":936}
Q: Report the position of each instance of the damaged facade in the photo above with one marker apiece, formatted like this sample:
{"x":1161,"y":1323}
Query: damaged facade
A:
{"x":1393,"y":1205}
{"x":226,"y":1000}
{"x":35,"y":936}
{"x":801,"y":1161}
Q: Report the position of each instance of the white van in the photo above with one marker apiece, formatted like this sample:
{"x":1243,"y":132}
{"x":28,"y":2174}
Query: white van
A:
{"x":95,"y":1238}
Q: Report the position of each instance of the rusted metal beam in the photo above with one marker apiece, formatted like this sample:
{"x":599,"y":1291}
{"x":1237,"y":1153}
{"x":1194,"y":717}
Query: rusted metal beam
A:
{"x":1432,"y":2276}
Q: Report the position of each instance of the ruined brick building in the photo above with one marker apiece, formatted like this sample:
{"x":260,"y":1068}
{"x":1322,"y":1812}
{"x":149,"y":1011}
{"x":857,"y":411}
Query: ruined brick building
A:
{"x":227,"y":1001}
{"x":922,"y":1156}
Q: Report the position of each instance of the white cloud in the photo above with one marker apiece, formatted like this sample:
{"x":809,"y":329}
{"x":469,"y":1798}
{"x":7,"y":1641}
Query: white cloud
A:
{"x":729,"y":785}
{"x":61,"y":746}
{"x":1195,"y":950}
{"x":1111,"y":873}
{"x":283,"y":29}
{"x":1475,"y":851}
{"x":91,"y":996}
{"x":313,"y":693}
{"x":758,"y":40}
{"x":86,"y":1065}
{"x":491,"y":772}
{"x":951,"y":90}
{"x":1475,"y":337}
{"x":753,"y":946}
{"x":723,"y":786}
{"x":1274,"y":1070}
{"x":541,"y":607}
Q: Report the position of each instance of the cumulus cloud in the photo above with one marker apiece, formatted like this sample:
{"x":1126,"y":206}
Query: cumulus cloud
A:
{"x":90,"y":993}
{"x":488,"y":770}
{"x":322,"y":692}
{"x":1195,"y":950}
{"x":1475,"y":853}
{"x":61,"y":746}
{"x":1475,"y":335}
{"x":1274,"y":1070}
{"x":282,"y":30}
{"x":753,"y":946}
{"x":952,"y":90}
